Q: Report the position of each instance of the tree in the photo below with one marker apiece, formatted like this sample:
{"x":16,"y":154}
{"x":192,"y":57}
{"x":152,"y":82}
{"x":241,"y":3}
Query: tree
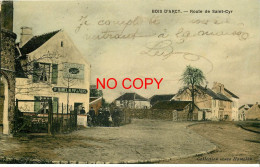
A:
{"x":96,"y":93}
{"x":192,"y":78}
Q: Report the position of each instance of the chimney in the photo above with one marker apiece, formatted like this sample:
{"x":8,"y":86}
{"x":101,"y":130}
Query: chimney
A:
{"x":26,"y":35}
{"x":218,"y":87}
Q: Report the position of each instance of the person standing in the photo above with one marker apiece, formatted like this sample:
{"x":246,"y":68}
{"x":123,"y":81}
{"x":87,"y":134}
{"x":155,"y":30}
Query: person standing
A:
{"x":82,"y":111}
{"x":106,"y":117}
{"x":91,"y":117}
{"x":116,"y":117}
{"x":100,"y":117}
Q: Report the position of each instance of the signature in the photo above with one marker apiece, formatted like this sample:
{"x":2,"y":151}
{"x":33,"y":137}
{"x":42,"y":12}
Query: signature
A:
{"x":165,"y":50}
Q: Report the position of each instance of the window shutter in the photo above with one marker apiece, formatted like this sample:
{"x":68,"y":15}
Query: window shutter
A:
{"x":54,"y":77}
{"x":37,"y":104}
{"x":35,"y":72}
{"x":55,"y":103}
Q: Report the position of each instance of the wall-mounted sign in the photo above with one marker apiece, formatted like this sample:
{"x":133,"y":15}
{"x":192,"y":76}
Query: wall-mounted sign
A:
{"x":73,"y":71}
{"x":69,"y":90}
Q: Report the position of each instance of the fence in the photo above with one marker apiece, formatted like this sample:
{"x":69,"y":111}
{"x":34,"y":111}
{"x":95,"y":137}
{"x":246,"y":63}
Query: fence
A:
{"x":45,"y":121}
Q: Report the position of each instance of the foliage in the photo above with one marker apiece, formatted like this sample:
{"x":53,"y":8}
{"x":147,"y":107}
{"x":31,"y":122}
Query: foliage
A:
{"x":96,"y":93}
{"x":104,"y":103}
{"x":192,"y":78}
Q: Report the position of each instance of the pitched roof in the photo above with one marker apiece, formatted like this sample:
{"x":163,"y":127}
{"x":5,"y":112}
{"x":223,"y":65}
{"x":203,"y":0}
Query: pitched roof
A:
{"x":132,"y":96}
{"x":241,"y":107}
{"x":211,"y":93}
{"x":93,"y":100}
{"x":157,"y":98}
{"x":232,"y":94}
{"x":36,"y":42}
{"x":223,"y":97}
{"x":249,"y":105}
{"x":173,"y":105}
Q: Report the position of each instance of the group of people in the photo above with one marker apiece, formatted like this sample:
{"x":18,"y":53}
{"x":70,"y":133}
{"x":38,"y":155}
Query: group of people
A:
{"x":103,"y":117}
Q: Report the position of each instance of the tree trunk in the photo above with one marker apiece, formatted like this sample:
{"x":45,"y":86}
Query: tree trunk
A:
{"x":192,"y":103}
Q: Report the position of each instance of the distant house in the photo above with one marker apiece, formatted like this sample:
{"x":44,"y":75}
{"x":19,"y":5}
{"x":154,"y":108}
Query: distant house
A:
{"x":249,"y":112}
{"x":217,"y":103}
{"x":157,"y":98}
{"x":180,"y":109}
{"x":241,"y":111}
{"x":132,"y":101}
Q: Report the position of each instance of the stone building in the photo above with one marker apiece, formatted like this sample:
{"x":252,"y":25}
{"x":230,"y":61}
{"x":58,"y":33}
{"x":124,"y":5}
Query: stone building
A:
{"x":7,"y":72}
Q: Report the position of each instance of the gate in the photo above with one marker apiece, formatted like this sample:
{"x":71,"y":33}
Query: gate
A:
{"x":44,"y":120}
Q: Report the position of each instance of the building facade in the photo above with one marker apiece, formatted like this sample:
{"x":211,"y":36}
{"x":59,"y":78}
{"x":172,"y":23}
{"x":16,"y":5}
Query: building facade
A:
{"x":7,"y":68}
{"x":217,"y":103}
{"x":51,"y":67}
{"x":132,"y":101}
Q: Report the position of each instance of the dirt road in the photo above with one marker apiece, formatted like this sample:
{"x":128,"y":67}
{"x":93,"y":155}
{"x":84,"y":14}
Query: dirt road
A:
{"x":234,"y":144}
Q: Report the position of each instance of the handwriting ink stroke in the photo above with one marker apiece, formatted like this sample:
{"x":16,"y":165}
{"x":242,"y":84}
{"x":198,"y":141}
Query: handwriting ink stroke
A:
{"x":165,"y":49}
{"x":183,"y":35}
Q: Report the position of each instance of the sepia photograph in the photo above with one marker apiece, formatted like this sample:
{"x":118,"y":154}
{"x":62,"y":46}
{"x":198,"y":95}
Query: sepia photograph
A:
{"x":130,"y":82}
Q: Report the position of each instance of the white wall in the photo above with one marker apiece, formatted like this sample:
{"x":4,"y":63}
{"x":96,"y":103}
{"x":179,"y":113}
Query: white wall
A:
{"x":66,"y":54}
{"x":235,"y":109}
{"x":142,"y":104}
{"x":134,"y":104}
{"x":215,"y":110}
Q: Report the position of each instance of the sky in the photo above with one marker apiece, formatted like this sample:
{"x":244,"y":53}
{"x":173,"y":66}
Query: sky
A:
{"x":130,"y":39}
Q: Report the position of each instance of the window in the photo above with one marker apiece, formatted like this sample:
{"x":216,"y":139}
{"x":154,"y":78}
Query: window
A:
{"x":42,"y":72}
{"x":234,"y":104}
{"x":214,"y":103}
{"x":221,"y":103}
{"x":61,"y":44}
{"x":41,"y":105}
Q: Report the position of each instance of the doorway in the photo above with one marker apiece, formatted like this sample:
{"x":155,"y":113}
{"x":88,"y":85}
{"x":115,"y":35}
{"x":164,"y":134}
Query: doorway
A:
{"x":204,"y":116}
{"x":78,"y":107}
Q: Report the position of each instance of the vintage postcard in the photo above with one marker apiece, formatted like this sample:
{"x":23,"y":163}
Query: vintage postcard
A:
{"x":130,"y":82}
